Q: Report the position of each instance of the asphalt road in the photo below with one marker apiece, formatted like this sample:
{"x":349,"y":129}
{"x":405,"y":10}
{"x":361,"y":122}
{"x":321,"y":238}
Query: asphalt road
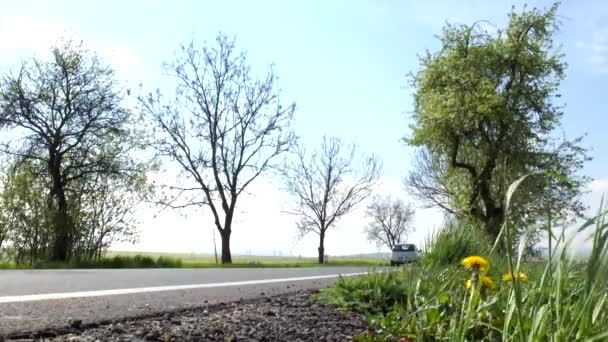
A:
{"x":38,"y":299}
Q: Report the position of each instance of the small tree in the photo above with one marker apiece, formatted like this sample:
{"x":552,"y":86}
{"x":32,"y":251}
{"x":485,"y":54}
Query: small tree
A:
{"x":106,"y":211}
{"x":103,"y":210}
{"x":223,"y":130}
{"x":391,"y":221}
{"x":328,"y":185}
{"x":25,"y":218}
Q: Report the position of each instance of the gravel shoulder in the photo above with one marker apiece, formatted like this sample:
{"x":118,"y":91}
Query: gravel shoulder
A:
{"x":20,"y":316}
{"x":283,"y":317}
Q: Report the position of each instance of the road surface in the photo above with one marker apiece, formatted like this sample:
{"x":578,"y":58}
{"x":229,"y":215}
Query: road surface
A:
{"x":37,"y":299}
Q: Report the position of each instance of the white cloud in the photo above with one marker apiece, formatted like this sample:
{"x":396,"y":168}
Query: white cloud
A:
{"x":25,"y":33}
{"x":24,"y":36}
{"x":580,"y":243}
{"x":600,"y":185}
{"x":121,"y":58}
{"x":596,"y":49}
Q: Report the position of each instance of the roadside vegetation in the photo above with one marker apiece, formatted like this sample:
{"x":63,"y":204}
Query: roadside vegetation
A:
{"x":466,"y":291}
{"x":179,"y":260}
{"x":490,"y":156}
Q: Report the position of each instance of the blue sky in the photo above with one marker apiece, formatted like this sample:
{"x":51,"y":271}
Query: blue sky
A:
{"x":343,"y":62}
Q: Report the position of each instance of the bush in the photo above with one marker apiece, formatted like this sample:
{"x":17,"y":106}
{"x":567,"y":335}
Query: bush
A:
{"x":169,"y":262}
{"x":143,"y":262}
{"x":137,"y":261}
{"x":454,"y":241}
{"x":7,"y":264}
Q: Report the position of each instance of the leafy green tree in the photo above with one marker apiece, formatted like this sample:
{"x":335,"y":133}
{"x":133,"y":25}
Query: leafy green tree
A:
{"x":485,"y":114}
{"x":66,"y":114}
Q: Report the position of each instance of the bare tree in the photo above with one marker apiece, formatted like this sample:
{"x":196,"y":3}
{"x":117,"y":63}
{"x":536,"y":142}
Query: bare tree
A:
{"x":391,"y":220}
{"x":427,"y":182}
{"x":328,"y":185}
{"x":67,"y":115}
{"x":223,"y":129}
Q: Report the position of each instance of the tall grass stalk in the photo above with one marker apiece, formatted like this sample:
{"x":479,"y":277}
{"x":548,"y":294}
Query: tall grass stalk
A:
{"x":514,"y":270}
{"x":596,"y":265}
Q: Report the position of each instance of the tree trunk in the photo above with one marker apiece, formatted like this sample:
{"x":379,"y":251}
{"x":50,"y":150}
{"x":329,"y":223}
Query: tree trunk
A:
{"x":62,"y":234}
{"x":59,"y":203}
{"x":493,"y":225}
{"x":226,"y":255}
{"x":225,"y":235}
{"x":321,"y":247}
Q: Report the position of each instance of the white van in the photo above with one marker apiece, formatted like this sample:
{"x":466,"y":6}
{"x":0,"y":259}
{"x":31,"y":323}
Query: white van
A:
{"x":404,"y":253}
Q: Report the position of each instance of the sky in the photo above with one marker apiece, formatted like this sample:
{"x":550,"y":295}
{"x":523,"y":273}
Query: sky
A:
{"x":344,"y":63}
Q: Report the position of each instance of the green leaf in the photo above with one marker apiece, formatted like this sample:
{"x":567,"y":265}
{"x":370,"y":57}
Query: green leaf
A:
{"x":599,"y":306}
{"x":444,"y":299}
{"x":432,"y":315}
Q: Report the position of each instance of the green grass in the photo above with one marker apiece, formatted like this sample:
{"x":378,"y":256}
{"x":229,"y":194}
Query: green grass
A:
{"x":246,"y":259}
{"x":210,"y":258}
{"x":8,"y":265}
{"x":453,"y":242}
{"x":426,"y":302}
{"x":196,"y":260}
{"x":563,"y":299}
{"x":117,"y":259}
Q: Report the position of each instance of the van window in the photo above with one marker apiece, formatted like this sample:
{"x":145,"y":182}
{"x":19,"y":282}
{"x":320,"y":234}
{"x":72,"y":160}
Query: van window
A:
{"x":404,"y":248}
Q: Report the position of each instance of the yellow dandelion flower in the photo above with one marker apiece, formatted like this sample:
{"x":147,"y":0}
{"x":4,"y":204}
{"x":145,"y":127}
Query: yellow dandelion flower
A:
{"x":509,"y":277}
{"x":476,"y":263}
{"x":487,"y":282}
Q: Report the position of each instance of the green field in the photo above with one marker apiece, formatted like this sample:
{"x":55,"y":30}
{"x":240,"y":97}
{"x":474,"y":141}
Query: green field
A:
{"x":200,"y":260}
{"x":123,"y":259}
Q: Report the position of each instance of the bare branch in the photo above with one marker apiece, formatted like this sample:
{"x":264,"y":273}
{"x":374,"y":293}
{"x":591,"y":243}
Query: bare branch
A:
{"x":328,"y":184}
{"x":391,"y":221}
{"x":223,"y":128}
{"x":427,"y":182}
